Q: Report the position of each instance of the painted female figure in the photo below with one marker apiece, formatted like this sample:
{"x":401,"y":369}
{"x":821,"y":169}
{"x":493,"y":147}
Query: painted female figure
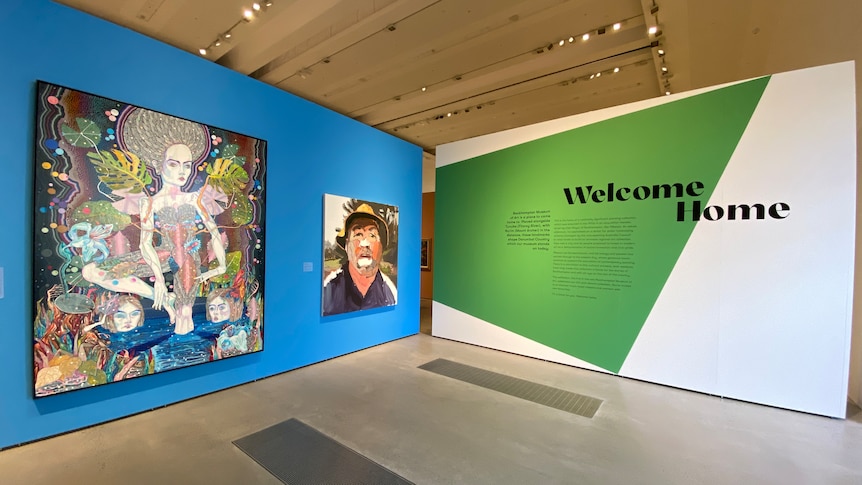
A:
{"x":170,"y":220}
{"x":127,"y":316}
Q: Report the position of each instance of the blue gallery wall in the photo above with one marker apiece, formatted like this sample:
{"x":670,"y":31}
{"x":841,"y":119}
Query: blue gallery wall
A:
{"x":311,"y":151}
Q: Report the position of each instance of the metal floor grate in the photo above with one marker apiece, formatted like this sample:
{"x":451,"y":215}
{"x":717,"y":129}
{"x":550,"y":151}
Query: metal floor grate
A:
{"x":296,"y":453}
{"x":538,"y":393}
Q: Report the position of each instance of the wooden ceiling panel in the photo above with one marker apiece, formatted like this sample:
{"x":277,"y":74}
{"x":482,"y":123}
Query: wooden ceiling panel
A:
{"x":369,"y":59}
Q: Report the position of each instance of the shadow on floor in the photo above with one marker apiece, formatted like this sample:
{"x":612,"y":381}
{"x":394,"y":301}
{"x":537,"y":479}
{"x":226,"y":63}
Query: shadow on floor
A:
{"x":425,"y":316}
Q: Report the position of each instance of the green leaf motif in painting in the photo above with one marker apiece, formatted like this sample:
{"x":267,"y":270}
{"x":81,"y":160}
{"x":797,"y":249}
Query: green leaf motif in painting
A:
{"x":87,"y":134}
{"x":227,"y":176}
{"x":234,"y":258}
{"x":120,"y":170}
{"x":242,"y":212}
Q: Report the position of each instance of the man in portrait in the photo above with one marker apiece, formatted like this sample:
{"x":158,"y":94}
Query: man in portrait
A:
{"x":359,"y":284}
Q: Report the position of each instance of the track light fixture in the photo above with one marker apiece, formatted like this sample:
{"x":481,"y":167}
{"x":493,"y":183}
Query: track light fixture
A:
{"x":584,"y":36}
{"x":659,"y":56}
{"x":248,"y":14}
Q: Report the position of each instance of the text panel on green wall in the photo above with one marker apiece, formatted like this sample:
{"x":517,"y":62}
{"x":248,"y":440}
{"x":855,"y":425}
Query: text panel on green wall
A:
{"x":567,"y":240}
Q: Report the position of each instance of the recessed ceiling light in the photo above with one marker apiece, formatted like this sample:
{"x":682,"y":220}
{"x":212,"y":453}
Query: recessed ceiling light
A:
{"x":616,"y":69}
{"x":667,"y":93}
{"x":227,"y":36}
{"x":202,"y":51}
{"x":255,"y":6}
{"x":424,"y":89}
{"x":448,"y":114}
{"x":562,"y":43}
{"x":248,"y":14}
{"x":598,"y":74}
{"x":592,"y":76}
{"x":218,"y":43}
{"x":661,"y":52}
{"x":653,"y":30}
{"x":663,"y":68}
{"x":571,"y":39}
{"x":585,"y":37}
{"x":617,"y":26}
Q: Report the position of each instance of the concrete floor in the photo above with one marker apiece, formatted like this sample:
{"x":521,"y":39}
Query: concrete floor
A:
{"x":432,"y":429}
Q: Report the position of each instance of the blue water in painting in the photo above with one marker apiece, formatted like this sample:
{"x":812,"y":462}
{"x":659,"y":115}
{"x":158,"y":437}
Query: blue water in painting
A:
{"x":170,"y":351}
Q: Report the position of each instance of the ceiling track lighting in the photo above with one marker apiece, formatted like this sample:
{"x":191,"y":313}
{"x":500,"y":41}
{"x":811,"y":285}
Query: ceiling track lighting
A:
{"x":659,"y":58}
{"x":584,"y":36}
{"x":248,"y":14}
{"x":571,"y":39}
{"x":454,"y":113}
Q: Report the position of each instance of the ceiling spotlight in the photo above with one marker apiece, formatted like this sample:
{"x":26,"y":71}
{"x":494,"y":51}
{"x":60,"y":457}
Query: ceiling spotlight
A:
{"x":616,"y":69}
{"x":248,"y":14}
{"x":202,"y":51}
{"x":661,"y":52}
{"x":562,"y":43}
{"x":571,"y":39}
{"x":653,"y":30}
{"x":667,"y":93}
{"x":592,"y":76}
{"x":598,"y":74}
{"x":227,"y":35}
{"x":424,"y":89}
{"x":255,"y":6}
{"x":449,"y":114}
{"x":585,"y":37}
{"x":268,"y":4}
{"x":617,"y":26}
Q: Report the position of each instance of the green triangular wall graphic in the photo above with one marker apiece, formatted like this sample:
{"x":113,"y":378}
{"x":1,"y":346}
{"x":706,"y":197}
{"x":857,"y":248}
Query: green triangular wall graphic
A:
{"x":582,"y":278}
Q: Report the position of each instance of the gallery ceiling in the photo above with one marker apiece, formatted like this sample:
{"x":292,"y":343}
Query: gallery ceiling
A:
{"x":438,"y":71}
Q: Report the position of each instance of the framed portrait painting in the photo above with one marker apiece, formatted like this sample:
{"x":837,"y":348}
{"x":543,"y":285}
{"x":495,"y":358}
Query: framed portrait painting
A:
{"x":148,"y":242}
{"x":425,"y":255}
{"x":360,"y":255}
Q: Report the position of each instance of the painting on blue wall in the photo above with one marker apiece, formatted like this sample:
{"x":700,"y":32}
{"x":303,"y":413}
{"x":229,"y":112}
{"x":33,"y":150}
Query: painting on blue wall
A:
{"x":360,"y":254}
{"x":148,"y":242}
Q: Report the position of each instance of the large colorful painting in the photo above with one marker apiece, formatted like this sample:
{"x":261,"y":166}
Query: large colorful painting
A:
{"x":360,"y":254}
{"x":148,"y":244}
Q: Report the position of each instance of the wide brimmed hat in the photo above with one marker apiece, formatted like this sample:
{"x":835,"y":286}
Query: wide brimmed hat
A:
{"x":363,"y":211}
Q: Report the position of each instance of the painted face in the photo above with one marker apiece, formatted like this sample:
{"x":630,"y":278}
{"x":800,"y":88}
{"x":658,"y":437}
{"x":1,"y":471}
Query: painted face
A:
{"x":128,"y":317}
{"x":219,"y":310}
{"x":177,"y":167}
{"x":364,"y":247}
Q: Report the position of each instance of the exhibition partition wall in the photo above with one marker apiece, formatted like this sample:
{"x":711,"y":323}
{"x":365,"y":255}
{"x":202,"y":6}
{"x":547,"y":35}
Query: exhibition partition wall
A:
{"x":310,"y":151}
{"x":703,"y":240}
